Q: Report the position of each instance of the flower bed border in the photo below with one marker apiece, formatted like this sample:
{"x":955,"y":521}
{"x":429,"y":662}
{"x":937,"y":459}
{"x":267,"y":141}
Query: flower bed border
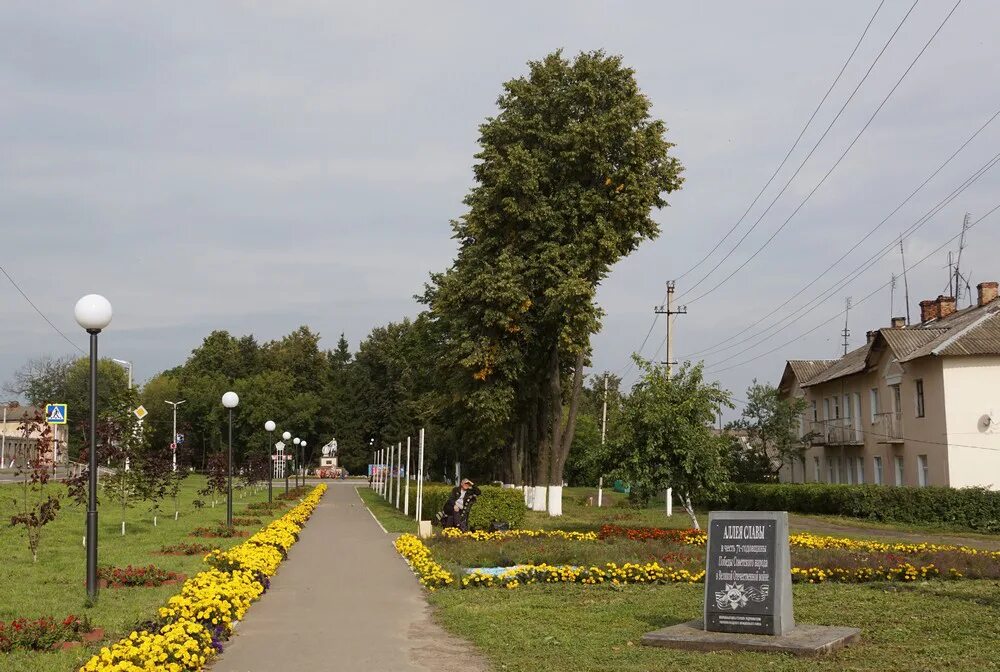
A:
{"x":195,"y":622}
{"x":432,"y":575}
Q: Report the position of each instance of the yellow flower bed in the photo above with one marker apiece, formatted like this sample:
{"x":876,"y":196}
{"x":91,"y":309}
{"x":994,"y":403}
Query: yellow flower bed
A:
{"x":432,"y":575}
{"x":479,"y":535}
{"x":806,"y":540}
{"x":202,"y":615}
{"x":903,"y":572}
{"x":610,"y":573}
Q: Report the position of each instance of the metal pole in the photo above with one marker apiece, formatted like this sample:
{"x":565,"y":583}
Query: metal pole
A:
{"x":270,"y":470}
{"x":3,"y":439}
{"x":670,"y":328}
{"x":406,"y":493}
{"x":388,"y":490}
{"x":420,"y":478}
{"x":92,"y":475}
{"x":399,"y":471}
{"x":174,"y":442}
{"x":229,"y":485}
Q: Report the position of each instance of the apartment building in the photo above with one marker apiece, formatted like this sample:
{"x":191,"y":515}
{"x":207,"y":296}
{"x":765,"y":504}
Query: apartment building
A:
{"x":13,"y":441}
{"x":916,"y":405}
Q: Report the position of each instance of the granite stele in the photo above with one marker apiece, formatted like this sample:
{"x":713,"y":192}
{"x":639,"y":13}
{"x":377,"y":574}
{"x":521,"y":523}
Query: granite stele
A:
{"x":748,"y":593}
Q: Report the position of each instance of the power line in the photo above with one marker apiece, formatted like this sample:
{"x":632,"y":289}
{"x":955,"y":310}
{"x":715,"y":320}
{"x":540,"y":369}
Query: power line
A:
{"x":40,"y":313}
{"x":920,"y":222}
{"x":836,"y":164}
{"x":790,"y":149}
{"x":631,"y":362}
{"x":809,"y":155}
{"x":836,"y":316}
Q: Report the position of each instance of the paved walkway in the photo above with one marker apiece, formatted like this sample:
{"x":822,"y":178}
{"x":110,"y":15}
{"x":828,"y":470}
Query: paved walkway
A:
{"x":344,"y":600}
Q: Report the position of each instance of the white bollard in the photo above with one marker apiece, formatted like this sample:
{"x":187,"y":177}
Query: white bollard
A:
{"x":600,"y":491}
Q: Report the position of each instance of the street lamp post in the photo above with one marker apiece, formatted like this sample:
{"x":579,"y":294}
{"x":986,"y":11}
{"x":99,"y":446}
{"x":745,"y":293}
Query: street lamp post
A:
{"x":284,"y":468}
{"x":269,"y":426}
{"x":128,"y":365}
{"x":302,"y":459}
{"x":93,"y":313}
{"x":295,"y":457}
{"x":230,"y":401}
{"x":173,"y":442}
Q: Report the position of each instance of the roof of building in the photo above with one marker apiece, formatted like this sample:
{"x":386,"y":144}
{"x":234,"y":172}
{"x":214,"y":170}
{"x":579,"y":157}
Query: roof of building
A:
{"x":970,"y":331}
{"x":804,"y":369}
{"x":853,"y":362}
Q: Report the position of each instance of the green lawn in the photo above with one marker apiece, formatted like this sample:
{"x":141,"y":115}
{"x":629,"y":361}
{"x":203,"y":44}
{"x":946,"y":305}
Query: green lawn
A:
{"x":54,"y":586}
{"x":935,"y":625}
{"x":392,"y":519}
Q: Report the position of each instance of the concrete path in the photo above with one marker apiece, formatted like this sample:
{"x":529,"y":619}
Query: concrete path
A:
{"x":344,"y":600}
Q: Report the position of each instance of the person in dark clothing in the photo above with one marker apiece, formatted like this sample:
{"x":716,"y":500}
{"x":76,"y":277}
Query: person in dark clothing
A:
{"x":456,"y":509}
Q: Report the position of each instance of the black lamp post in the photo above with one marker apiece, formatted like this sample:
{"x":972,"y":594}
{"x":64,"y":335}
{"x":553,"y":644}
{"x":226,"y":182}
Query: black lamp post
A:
{"x":93,"y":313}
{"x":269,"y":426}
{"x":230,"y":400}
{"x":302,"y":461}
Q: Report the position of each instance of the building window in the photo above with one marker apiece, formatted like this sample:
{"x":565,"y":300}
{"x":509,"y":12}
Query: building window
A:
{"x":897,"y":405}
{"x":826,"y":408}
{"x":899,"y":470}
{"x":831,"y":474}
{"x":848,"y":474}
{"x":873,"y":402}
{"x":920,"y":397}
{"x":836,"y":407}
{"x":878,"y":469}
{"x":922,"y":470}
{"x":816,"y":470}
{"x":815,"y":411}
{"x":861,"y":470}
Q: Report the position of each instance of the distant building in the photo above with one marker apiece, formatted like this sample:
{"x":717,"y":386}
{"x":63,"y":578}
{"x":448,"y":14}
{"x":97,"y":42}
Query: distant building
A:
{"x":13,"y":442}
{"x":915,"y":405}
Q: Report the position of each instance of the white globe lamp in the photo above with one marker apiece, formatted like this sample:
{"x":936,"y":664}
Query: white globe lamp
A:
{"x":269,"y":426}
{"x":93,"y":312}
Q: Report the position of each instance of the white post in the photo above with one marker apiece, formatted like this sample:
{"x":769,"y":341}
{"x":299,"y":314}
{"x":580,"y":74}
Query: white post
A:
{"x":399,"y":471}
{"x":600,"y":491}
{"x":406,"y":493}
{"x":388,"y":492}
{"x":670,"y":501}
{"x":378,"y":471}
{"x":420,"y":477}
{"x":3,"y":439}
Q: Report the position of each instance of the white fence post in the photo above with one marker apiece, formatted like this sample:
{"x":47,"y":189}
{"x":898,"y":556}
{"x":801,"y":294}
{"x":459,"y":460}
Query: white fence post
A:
{"x":420,"y":478}
{"x":406,"y":490}
{"x":600,"y":491}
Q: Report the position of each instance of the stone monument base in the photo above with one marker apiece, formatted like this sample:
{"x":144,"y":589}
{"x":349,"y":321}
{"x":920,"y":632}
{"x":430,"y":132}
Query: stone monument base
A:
{"x":803,"y":640}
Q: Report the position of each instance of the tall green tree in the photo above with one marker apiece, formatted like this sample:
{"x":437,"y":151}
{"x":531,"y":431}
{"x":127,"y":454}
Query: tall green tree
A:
{"x":568,"y":173}
{"x":771,"y":426}
{"x":666,"y":438}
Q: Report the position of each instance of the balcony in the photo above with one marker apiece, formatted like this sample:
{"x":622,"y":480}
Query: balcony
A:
{"x":836,"y":432}
{"x":889,"y":427}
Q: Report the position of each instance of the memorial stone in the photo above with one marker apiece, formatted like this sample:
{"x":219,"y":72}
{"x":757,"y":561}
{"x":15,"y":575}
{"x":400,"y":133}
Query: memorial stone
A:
{"x":748,"y":583}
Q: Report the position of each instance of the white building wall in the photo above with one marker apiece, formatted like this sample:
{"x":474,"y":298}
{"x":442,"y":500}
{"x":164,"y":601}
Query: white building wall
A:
{"x":972,"y":389}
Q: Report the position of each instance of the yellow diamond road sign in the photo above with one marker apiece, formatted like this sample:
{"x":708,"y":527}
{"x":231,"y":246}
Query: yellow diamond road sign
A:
{"x":141,"y":412}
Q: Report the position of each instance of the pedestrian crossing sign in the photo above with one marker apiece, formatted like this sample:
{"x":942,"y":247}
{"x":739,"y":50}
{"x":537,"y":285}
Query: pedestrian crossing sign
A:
{"x":55,"y":414}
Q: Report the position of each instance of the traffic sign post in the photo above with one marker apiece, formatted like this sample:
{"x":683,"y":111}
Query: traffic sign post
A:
{"x":55,"y":414}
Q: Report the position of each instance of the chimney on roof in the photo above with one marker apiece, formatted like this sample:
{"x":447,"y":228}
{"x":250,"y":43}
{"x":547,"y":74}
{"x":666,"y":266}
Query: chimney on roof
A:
{"x":946,"y":306}
{"x":987,"y":292}
{"x":870,"y":336}
{"x":898,"y":322}
{"x":929,"y":310}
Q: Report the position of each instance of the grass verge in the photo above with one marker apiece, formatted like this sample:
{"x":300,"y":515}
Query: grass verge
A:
{"x":921,"y":627}
{"x":392,"y":519}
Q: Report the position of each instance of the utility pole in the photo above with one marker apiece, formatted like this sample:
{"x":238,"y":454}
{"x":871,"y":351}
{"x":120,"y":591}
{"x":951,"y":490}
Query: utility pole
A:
{"x":958,"y":261}
{"x":670,"y":311}
{"x":173,"y":439}
{"x":892,"y":296}
{"x":906,"y":286}
{"x":604,"y":412}
{"x":846,"y":332}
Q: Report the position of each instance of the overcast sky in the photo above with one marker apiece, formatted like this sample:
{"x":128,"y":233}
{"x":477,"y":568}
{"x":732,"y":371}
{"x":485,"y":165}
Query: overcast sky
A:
{"x":257,"y":166}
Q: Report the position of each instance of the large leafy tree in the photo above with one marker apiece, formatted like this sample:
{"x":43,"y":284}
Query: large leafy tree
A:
{"x":568,"y":173}
{"x":666,"y":438}
{"x":771,"y":427}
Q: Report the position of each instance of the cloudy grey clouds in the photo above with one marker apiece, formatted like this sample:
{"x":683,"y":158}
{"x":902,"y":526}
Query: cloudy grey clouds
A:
{"x":256,"y":166}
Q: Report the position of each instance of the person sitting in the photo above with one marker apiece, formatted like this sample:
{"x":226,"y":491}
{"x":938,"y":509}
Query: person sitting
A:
{"x":456,"y":509}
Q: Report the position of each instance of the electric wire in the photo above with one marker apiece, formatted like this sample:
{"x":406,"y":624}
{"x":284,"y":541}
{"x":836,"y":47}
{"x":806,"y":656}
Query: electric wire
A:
{"x":791,"y":149}
{"x":37,"y":310}
{"x":835,"y":165}
{"x":871,"y":232}
{"x":857,"y":271}
{"x":713,"y":368}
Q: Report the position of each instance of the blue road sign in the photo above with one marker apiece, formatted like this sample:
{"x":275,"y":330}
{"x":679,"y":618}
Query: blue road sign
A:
{"x":55,"y":414}
{"x":179,"y":438}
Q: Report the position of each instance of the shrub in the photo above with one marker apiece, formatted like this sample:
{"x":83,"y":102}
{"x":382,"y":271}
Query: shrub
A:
{"x":973,"y":508}
{"x":41,"y":634}
{"x":130,"y":576}
{"x":185,"y":548}
{"x":495,"y":503}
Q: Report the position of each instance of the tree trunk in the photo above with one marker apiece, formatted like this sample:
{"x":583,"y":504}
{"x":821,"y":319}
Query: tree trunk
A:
{"x":690,"y":511}
{"x":560,"y":451}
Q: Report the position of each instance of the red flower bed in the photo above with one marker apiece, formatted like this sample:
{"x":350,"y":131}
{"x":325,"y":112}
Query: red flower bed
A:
{"x":147,"y":577}
{"x":185,"y":548}
{"x":45,"y":633}
{"x":645,"y":533}
{"x":218,"y":532}
{"x":245,"y":521}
